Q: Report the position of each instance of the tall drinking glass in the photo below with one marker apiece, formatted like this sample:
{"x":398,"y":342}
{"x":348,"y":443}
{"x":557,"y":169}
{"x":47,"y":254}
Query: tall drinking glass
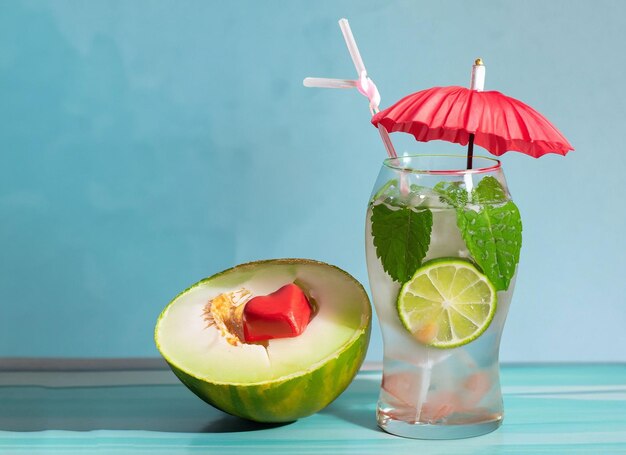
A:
{"x":442,"y":246}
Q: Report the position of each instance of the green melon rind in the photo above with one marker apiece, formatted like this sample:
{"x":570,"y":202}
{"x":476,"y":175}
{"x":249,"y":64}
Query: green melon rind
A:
{"x":290,"y":397}
{"x":284,"y":400}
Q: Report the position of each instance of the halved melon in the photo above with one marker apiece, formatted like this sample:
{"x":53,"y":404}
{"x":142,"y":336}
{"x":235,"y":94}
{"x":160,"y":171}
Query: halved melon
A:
{"x":279,"y":380}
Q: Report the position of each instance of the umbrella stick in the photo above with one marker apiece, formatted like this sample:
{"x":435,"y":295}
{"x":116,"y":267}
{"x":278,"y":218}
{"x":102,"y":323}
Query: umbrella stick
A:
{"x":470,"y":151}
{"x":477,"y":82}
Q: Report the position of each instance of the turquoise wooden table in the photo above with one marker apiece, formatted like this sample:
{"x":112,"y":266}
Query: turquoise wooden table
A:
{"x":564,"y":409}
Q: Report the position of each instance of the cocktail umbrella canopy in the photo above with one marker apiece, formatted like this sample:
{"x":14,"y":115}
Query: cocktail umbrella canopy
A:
{"x":497,"y":122}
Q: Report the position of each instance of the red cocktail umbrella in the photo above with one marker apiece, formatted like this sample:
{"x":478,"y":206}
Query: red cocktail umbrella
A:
{"x":489,"y":119}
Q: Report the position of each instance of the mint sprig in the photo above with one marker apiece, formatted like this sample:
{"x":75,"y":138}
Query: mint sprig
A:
{"x":490,"y":225}
{"x":492,"y":229}
{"x":401,"y":238}
{"x":452,"y":193}
{"x":493,"y":233}
{"x":488,"y":191}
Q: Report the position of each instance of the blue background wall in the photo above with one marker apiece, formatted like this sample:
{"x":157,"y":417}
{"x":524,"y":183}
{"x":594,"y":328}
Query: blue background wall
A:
{"x":145,"y":145}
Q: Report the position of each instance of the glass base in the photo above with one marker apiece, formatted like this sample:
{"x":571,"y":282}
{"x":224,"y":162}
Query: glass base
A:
{"x":431,"y":431}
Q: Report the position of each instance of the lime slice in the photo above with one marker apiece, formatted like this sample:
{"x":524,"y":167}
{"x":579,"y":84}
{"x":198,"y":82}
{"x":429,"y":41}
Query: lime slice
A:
{"x":447,"y":303}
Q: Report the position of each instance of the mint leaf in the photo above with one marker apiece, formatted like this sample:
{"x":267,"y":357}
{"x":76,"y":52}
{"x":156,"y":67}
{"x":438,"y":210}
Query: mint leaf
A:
{"x":493,"y":236}
{"x":452,"y":193}
{"x":488,"y":191}
{"x":388,"y":189}
{"x":401,"y":238}
{"x":415,"y":188}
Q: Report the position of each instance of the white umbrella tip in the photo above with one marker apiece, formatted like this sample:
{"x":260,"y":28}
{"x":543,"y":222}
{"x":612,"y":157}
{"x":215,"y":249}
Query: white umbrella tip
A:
{"x":477,"y":81}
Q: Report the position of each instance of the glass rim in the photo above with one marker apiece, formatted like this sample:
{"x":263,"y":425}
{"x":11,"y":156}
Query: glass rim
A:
{"x":389,"y":162}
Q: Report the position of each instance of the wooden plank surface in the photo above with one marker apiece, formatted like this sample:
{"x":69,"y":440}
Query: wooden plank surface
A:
{"x":559,"y":409}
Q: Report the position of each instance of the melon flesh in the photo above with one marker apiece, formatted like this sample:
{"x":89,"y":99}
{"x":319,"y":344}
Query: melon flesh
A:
{"x":343,"y":316}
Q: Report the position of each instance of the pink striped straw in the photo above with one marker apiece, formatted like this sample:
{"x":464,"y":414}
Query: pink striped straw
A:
{"x":363,"y":83}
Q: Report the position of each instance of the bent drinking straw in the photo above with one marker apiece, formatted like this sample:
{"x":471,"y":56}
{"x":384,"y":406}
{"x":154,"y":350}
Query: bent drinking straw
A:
{"x":363,"y":83}
{"x":352,"y":47}
{"x":324,"y":82}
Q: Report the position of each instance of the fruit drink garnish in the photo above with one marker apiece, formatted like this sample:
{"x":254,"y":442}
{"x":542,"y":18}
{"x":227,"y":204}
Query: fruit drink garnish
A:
{"x":241,"y":318}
